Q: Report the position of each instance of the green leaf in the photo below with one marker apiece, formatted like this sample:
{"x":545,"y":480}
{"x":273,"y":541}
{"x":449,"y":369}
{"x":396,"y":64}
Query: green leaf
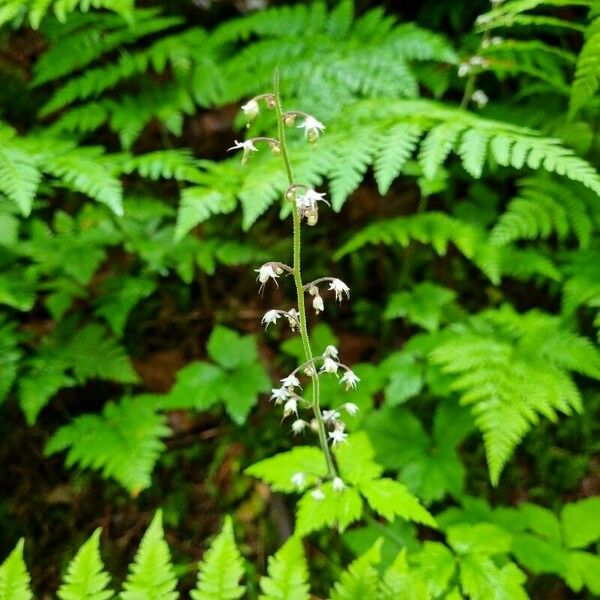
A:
{"x":37,"y":388}
{"x":481,"y":579}
{"x":288,"y":574}
{"x":401,"y":582}
{"x":197,"y":205}
{"x":278,"y":470}
{"x":581,"y":522}
{"x":229,"y":349}
{"x":221,"y":569}
{"x":19,"y":177}
{"x":124,"y":442}
{"x":355,"y":459}
{"x":390,"y":498}
{"x":86,"y":578}
{"x":151,"y":576}
{"x":341,"y":508}
{"x":14,"y":578}
{"x":240,"y":389}
{"x":360,"y":580}
{"x":197,"y":385}
{"x":436,"y":565}
{"x":481,"y":538}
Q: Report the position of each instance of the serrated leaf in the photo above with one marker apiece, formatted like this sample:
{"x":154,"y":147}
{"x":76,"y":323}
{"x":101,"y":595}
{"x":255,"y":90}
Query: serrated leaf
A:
{"x":151,"y":576}
{"x":480,"y":538}
{"x":481,"y":579}
{"x":19,"y":177}
{"x":360,"y":580}
{"x":86,"y":578}
{"x":355,"y":459}
{"x":581,"y":522}
{"x":14,"y":578}
{"x":221,"y":569}
{"x":288,"y":574}
{"x":229,"y":349}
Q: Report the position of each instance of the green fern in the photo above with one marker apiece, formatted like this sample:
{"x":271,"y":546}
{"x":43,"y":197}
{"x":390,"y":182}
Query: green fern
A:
{"x":511,"y":369}
{"x":85,"y":578}
{"x":288,"y":574}
{"x":587,"y":74}
{"x":221,"y":569}
{"x":151,"y":575}
{"x":14,"y":579}
{"x":361,"y":579}
{"x":124,"y":442}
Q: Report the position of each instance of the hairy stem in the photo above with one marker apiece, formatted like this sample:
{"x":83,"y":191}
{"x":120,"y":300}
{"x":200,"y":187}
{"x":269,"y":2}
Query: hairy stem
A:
{"x":297,"y":273}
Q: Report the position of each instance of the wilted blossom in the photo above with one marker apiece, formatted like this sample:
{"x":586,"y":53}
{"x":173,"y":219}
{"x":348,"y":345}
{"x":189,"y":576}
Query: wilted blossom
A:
{"x":350,"y":379}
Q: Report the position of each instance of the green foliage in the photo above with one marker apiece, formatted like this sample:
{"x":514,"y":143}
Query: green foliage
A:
{"x":14,"y":579}
{"x":288,"y":574}
{"x":86,"y":578}
{"x":587,"y":74}
{"x":124,"y":442}
{"x":221,"y":569}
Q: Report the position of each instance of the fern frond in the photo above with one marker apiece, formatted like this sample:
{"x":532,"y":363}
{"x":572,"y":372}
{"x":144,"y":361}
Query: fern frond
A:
{"x":288,"y":574}
{"x":221,"y":569}
{"x":86,"y":578}
{"x":19,"y":177}
{"x":168,"y":164}
{"x":361,"y":579}
{"x":14,"y":578}
{"x":124,"y":442}
{"x":587,"y":73}
{"x":151,"y":576}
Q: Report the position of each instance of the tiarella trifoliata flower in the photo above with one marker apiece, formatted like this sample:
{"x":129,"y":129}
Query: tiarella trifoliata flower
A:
{"x":318,"y":494}
{"x":269,"y":317}
{"x":331,"y":351}
{"x":329,"y":365}
{"x":480,"y":98}
{"x":251,"y":109}
{"x":298,"y":480}
{"x":464,"y":69}
{"x":478,"y":61}
{"x":266,"y":272}
{"x":291,"y":381}
{"x":350,"y":379}
{"x":309,"y":199}
{"x":351,"y":408}
{"x":338,"y":485}
{"x":280,"y":394}
{"x":293,"y":318}
{"x":337,"y":436}
{"x":291,"y":406}
{"x":340,"y":288}
{"x":318,"y":304}
{"x":299,"y":425}
{"x":330,"y":415}
{"x":247,"y":146}
{"x":312,"y":128}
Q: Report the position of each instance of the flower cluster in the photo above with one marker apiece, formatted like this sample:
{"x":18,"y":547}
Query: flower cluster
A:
{"x":305,"y":415}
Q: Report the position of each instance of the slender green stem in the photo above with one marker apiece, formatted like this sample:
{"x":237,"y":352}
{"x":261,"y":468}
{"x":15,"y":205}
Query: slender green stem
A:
{"x":297,"y":273}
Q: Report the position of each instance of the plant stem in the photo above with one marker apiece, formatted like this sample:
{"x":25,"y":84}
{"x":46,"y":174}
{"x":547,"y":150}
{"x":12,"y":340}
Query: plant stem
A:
{"x":297,"y":272}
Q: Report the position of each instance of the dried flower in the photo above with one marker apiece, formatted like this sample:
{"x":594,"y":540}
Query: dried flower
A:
{"x":337,"y":436}
{"x":269,"y":317}
{"x":293,"y":318}
{"x":318,"y":494}
{"x":350,"y":379}
{"x":331,"y":352}
{"x":251,"y":109}
{"x":351,"y":408}
{"x":291,"y":381}
{"x":339,"y":287}
{"x":298,"y":480}
{"x":338,"y":485}
{"x":329,"y":365}
{"x":298,"y":426}
{"x":312,"y":128}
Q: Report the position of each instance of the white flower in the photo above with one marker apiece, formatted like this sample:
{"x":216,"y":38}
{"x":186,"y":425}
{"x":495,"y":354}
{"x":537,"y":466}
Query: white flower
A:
{"x":478,"y":61}
{"x":337,"y":436}
{"x":293,"y":318}
{"x":350,"y":379}
{"x":480,"y":98}
{"x":339,"y":287}
{"x":298,"y":426}
{"x":330,"y":415}
{"x":309,"y":199}
{"x":464,"y":69}
{"x":312,"y":128}
{"x":247,"y":146}
{"x":291,"y":406}
{"x":331,"y":351}
{"x":280,"y":394}
{"x":298,"y":480}
{"x":329,"y":365}
{"x":496,"y":40}
{"x":483,"y":19}
{"x":291,"y":381}
{"x":351,"y":408}
{"x":338,"y":485}
{"x":318,"y":304}
{"x":317,"y":494}
{"x":266,"y":272}
{"x":251,"y":108}
{"x":269,"y":317}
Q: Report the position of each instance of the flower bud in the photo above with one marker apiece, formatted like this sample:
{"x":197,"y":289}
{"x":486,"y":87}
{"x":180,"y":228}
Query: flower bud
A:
{"x":318,"y":304}
{"x":251,"y":109}
{"x":289,"y":119}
